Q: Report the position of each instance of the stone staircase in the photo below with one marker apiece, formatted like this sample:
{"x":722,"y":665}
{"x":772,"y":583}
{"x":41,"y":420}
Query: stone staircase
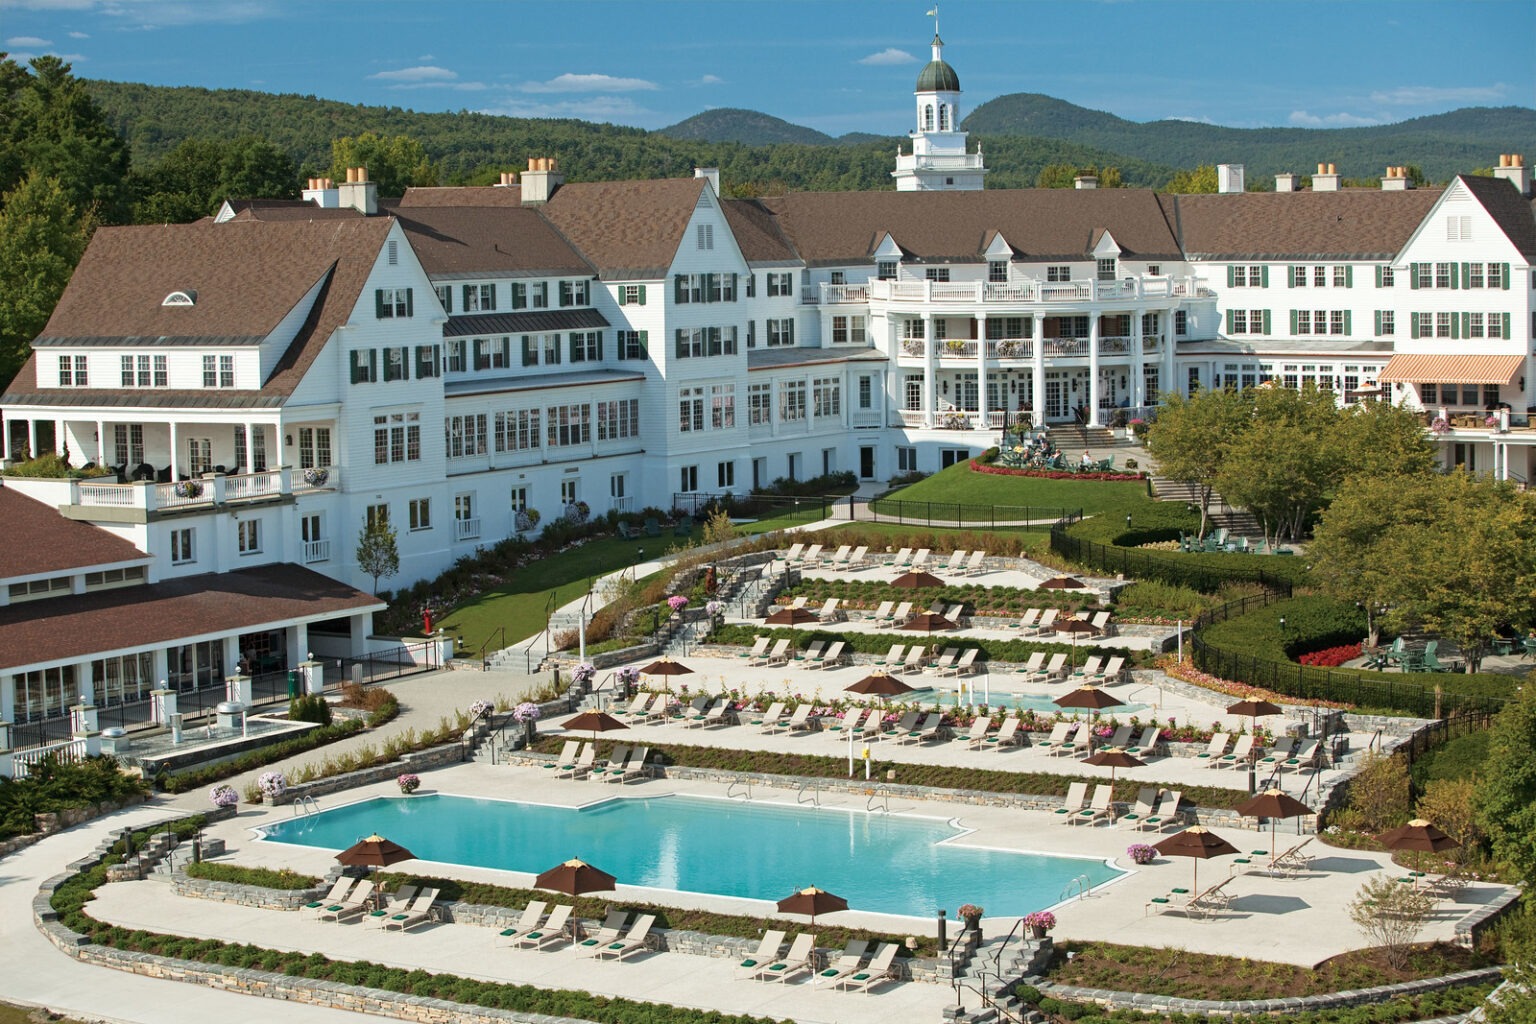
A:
{"x":1237,"y":521}
{"x":995,"y":969}
{"x":1070,"y":437}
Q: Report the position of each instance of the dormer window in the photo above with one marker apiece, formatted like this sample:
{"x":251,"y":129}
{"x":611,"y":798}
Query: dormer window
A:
{"x":181,"y":297}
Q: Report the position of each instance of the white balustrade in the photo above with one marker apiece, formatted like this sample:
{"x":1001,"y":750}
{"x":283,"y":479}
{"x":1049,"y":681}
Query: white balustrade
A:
{"x":466,"y":529}
{"x":317,"y":551}
{"x":265,"y":484}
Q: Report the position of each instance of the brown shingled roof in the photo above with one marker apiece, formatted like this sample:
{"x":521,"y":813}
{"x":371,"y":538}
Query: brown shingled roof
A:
{"x":757,"y":232}
{"x":1360,"y":223}
{"x":461,"y":195}
{"x":248,"y":275}
{"x":829,"y":228}
{"x":160,"y":613}
{"x":480,"y":240}
{"x":628,"y":229}
{"x":52,"y":544}
{"x":1512,"y":212}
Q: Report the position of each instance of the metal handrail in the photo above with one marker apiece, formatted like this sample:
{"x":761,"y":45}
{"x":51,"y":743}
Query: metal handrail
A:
{"x":500,"y":631}
{"x":739,"y":781}
{"x":814,"y":786}
{"x":883,"y":795}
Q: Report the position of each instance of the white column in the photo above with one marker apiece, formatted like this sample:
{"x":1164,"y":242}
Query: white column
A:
{"x":1038,"y":371}
{"x":930,"y":343}
{"x":298,"y":644}
{"x":174,"y":464}
{"x":32,"y":438}
{"x":1137,"y":381}
{"x":1093,"y":370}
{"x":60,"y":442}
{"x":101,"y":443}
{"x":87,"y":681}
{"x":359,"y":626}
{"x":8,"y":697}
{"x":981,"y":368}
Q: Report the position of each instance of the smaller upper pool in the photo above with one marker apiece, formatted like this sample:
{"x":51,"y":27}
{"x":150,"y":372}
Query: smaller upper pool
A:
{"x":1041,"y":703}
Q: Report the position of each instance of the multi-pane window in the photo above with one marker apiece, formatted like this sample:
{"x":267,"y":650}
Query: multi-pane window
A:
{"x":634,"y":294}
{"x":1474,"y":325}
{"x":519,"y":499}
{"x":631,"y":344}
{"x":688,"y":478}
{"x":1424,"y":275}
{"x":848,"y":329}
{"x":586,"y":346}
{"x":780,"y":284}
{"x":697,"y":288}
{"x":1180,"y":322}
{"x":493,"y":353}
{"x":827,"y":397}
{"x":365,"y":366}
{"x":912,"y":393}
{"x":1442,"y":275}
{"x":1388,"y":278}
{"x":428,"y":359}
{"x":906,"y":459}
{"x":792,"y":401}
{"x":421,"y":513}
{"x":1001,"y":327}
{"x":1336,"y":321}
{"x":396,"y":437}
{"x":722,"y":406}
{"x":218,"y":371}
{"x":759,"y":404}
{"x":183,"y":549}
{"x":376,"y":516}
{"x":725,"y":475}
{"x":465,"y":435}
{"x":479,"y":298}
{"x":397,"y":364}
{"x":1386,"y":321}
{"x":519,"y":295}
{"x":690,"y":409}
{"x":538,"y":294}
{"x":617,"y":419}
{"x":885,"y":270}
{"x":248,"y":533}
{"x":551,"y":349}
{"x":445,"y":297}
{"x":389,"y":303}
{"x":1058,"y":272}
{"x":780,"y":331}
{"x":997,"y":271}
{"x":940,"y":274}
{"x":72,"y":372}
{"x":517,"y":430}
{"x":696,"y":342}
{"x":866,"y":392}
{"x":1107,"y":268}
{"x":128,"y":444}
{"x":457,"y":363}
{"x":464,"y":512}
{"x":575,"y":293}
{"x":199,"y":455}
{"x":314,"y":447}
{"x":1442,"y":325}
{"x":1495,"y":275}
{"x":1237,"y":321}
{"x":144,"y":372}
{"x":1298,"y":277}
{"x":1341,"y":277}
{"x":1320,"y":277}
{"x":1475,"y":274}
{"x":569,"y":425}
{"x":1248,"y":276}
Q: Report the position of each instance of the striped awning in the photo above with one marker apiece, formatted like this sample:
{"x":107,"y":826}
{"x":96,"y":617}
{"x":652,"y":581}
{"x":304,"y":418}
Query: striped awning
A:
{"x":1413,"y":369}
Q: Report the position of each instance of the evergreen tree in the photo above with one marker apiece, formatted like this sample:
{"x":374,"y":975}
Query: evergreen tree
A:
{"x":60,"y":132}
{"x":41,"y":240}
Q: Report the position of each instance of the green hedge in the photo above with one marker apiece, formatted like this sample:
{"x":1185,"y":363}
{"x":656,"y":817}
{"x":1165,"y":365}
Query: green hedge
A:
{"x":264,"y":878}
{"x":1247,"y":644}
{"x":55,"y":785}
{"x":1013,"y":651}
{"x":318,"y":737}
{"x":980,"y":599}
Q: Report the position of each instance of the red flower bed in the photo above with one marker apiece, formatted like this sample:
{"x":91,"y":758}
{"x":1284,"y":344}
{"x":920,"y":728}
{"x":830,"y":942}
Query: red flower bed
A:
{"x":1051,"y":474}
{"x":1331,"y":657}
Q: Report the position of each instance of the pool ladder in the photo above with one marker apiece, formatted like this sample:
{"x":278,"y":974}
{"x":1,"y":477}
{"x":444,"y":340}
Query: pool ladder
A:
{"x":1079,"y":886}
{"x":304,"y":805}
{"x":745,"y":791}
{"x":815,"y":791}
{"x":878,"y":795}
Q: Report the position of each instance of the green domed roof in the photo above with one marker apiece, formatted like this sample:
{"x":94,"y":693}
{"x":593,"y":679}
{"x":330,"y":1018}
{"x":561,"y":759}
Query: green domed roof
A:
{"x":938,"y":76}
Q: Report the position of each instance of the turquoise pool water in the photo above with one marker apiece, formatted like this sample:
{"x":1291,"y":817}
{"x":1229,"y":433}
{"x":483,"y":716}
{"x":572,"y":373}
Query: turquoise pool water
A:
{"x":1039,"y":702}
{"x":889,"y":864}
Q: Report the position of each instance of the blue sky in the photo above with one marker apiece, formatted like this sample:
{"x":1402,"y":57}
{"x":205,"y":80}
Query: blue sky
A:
{"x":835,"y":65}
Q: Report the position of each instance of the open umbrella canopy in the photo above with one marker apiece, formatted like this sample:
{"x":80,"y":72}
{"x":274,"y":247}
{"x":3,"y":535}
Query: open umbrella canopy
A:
{"x":879,"y":684}
{"x":576,"y":877}
{"x":593,"y":722}
{"x":374,"y":852}
{"x":1419,"y":835}
{"x":916,"y":580}
{"x":1063,"y":583}
{"x":1199,"y":843}
{"x":1077,"y":626}
{"x":929,"y":622}
{"x":1113,"y":758}
{"x":1091,"y":697}
{"x":1273,"y":803}
{"x":1254,"y":708}
{"x":791,"y":617}
{"x":812,"y":901}
{"x":666,"y":667}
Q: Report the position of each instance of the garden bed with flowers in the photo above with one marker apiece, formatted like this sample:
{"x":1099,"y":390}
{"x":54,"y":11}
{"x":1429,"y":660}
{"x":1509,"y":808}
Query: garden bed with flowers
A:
{"x":1057,"y":474}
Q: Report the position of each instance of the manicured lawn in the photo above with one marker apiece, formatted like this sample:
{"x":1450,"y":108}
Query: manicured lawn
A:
{"x":959,"y":484}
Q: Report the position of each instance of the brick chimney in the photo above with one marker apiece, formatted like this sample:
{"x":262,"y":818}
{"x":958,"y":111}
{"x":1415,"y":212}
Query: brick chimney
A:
{"x":1229,"y":178}
{"x":1285,"y":181}
{"x":711,"y":175}
{"x":1396,"y":180}
{"x":358,"y":192}
{"x":1513,"y":170}
{"x":322,"y":192}
{"x":540,"y":180}
{"x":508,"y":180}
{"x":1326,"y":179}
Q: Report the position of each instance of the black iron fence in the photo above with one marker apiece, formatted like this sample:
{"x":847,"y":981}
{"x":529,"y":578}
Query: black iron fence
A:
{"x":804,"y":507}
{"x":1110,"y":560}
{"x":950,"y":513}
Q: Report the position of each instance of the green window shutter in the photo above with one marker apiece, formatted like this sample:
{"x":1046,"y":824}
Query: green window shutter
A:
{"x":1413,"y":325}
{"x":1466,"y":324}
{"x":1505,"y":318}
{"x":1455,"y":327}
{"x":1455,"y":276}
{"x":410,"y":307}
{"x":1349,"y":327}
{"x":1266,"y":321}
{"x":642,"y":295}
{"x":1231,"y":276}
{"x":644,"y":343}
{"x":373,"y":364}
{"x":1413,"y":276}
{"x":622,"y":300}
{"x":573,"y":346}
{"x":1505,"y":278}
{"x":1378,"y":282}
{"x":1264,"y":275}
{"x":1290,"y":277}
{"x":599,"y":346}
{"x":1293,"y":321}
{"x":378,"y":303}
{"x":1378,"y":312}
{"x":1349,"y":275}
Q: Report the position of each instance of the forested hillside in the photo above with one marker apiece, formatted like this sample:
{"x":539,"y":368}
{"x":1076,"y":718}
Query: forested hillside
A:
{"x":1441,"y":145}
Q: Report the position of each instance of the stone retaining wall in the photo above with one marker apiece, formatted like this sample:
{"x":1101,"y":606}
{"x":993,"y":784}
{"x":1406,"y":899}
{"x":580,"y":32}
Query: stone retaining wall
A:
{"x":452,"y":752}
{"x":49,"y":823}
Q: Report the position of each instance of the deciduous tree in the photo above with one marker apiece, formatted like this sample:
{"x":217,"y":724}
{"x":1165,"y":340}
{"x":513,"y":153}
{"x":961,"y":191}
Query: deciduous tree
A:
{"x":1507,"y":792}
{"x":394,"y":163}
{"x":1192,"y":436}
{"x":377,"y":553}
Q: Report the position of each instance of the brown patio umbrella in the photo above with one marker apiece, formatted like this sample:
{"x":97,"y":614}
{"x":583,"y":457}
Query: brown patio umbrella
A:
{"x":916,"y":580}
{"x":1254,"y":709}
{"x":1081,"y":627}
{"x":1198,"y":843}
{"x":594,"y":722}
{"x":1114,"y":757}
{"x":791,"y":617}
{"x":1417,"y":835}
{"x":575,"y":877}
{"x":666,"y":667}
{"x":879,"y":683}
{"x":374,"y":852}
{"x":929,"y":622}
{"x":812,"y":901}
{"x":1091,"y":697}
{"x":1273,"y":804}
{"x":1063,"y":583}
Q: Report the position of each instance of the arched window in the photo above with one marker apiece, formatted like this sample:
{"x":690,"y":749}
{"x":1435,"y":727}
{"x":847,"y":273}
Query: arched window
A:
{"x":928,"y":117}
{"x":944,"y":117}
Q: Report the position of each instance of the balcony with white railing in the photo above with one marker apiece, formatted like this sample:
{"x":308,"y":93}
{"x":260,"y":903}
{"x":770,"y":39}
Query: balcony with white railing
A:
{"x":844,"y":294}
{"x":317,"y":551}
{"x":1066,"y":346}
{"x":1025,"y":293}
{"x":466,"y":529}
{"x":317,"y":478}
{"x":624,"y":504}
{"x":1011,"y":348}
{"x":1115,"y":346}
{"x":206,"y":492}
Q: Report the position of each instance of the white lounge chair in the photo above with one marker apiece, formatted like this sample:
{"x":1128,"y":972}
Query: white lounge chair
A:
{"x":879,"y":970}
{"x":767,"y":952}
{"x":792,"y":963}
{"x":533,"y":913}
{"x":1007,"y":734}
{"x":550,"y":932}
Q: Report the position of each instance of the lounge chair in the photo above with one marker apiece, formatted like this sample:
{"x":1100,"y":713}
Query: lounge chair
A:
{"x":609,"y":932}
{"x":793,"y":554}
{"x":1056,"y":668}
{"x":883,"y":614}
{"x":579,"y":767}
{"x":336,"y":897}
{"x":796,"y":960}
{"x":652,"y":527}
{"x":920,"y":559}
{"x":1100,"y":808}
{"x":533,"y":913}
{"x":1101,"y":622}
{"x":801,"y":601}
{"x":917,"y":656}
{"x":633,"y":941}
{"x":976,"y":564}
{"x":636,"y":768}
{"x":906,"y":723}
{"x":1007,"y":734}
{"x":1210,"y":902}
{"x":1276,"y":755}
{"x":617,"y":759}
{"x":902,"y":613}
{"x":1293,"y":861}
{"x":830,"y":612}
{"x":839,"y":559}
{"x":977,"y":734}
{"x":923,"y":731}
{"x":1082,"y":742}
{"x":955,"y":563}
{"x":879,"y":970}
{"x":851,"y":721}
{"x":1121,"y":737}
{"x":1241,"y":751}
{"x":767,"y":952}
{"x":1031,"y":668}
{"x":946,"y":660}
{"x":833,"y":655}
{"x":1090,"y":668}
{"x":860,"y":557}
{"x":1164,"y":813}
{"x":1046,"y":623}
{"x":874,"y":726}
{"x":812,"y":654}
{"x":1146,"y":746}
{"x":1112,"y":671}
{"x":811,"y":554}
{"x":1077,"y":799}
{"x":780,"y":654}
{"x":1029,"y":620}
{"x":902,"y":560}
{"x":398,"y":903}
{"x":661,"y":708}
{"x":1306,"y":757}
{"x":568,"y":754}
{"x":420,"y":911}
{"x":1176,"y":899}
{"x":846,"y":964}
{"x":955,"y":613}
{"x":801,"y":718}
{"x":549,"y":933}
{"x":771,"y":716}
{"x":1058,"y":737}
{"x":1213,"y":752}
{"x":1146,"y":800}
{"x":758,"y":655}
{"x":710,"y":715}
{"x":356,"y":903}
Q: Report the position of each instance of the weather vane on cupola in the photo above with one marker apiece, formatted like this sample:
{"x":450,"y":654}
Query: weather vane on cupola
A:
{"x":934,"y":14}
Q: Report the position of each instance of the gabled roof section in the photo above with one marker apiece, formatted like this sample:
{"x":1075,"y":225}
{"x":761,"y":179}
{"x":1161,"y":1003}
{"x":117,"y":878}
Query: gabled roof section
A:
{"x":1514,"y":215}
{"x":470,"y":241}
{"x":248,"y":275}
{"x":1350,"y":224}
{"x":462,"y":195}
{"x":280,"y":209}
{"x":53,"y":544}
{"x":627,"y":229}
{"x":757,"y":232}
{"x":938,"y":227}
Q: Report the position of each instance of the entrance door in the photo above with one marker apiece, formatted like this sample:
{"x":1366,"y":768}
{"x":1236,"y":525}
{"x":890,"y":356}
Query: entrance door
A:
{"x":1055,"y":399}
{"x":866,"y":462}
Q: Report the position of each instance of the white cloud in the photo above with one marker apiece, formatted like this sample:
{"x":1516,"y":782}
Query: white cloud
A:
{"x":1430,"y":95}
{"x":569,"y":82}
{"x":420,"y":74}
{"x":710,"y":80}
{"x":1305,"y":119}
{"x":30,"y":42}
{"x":1202,"y":119}
{"x":79,"y":35}
{"x":888,"y":57}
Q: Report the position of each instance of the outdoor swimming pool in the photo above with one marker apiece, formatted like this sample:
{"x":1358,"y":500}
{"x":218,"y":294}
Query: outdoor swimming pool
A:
{"x":891,"y":864}
{"x":1038,"y":702}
